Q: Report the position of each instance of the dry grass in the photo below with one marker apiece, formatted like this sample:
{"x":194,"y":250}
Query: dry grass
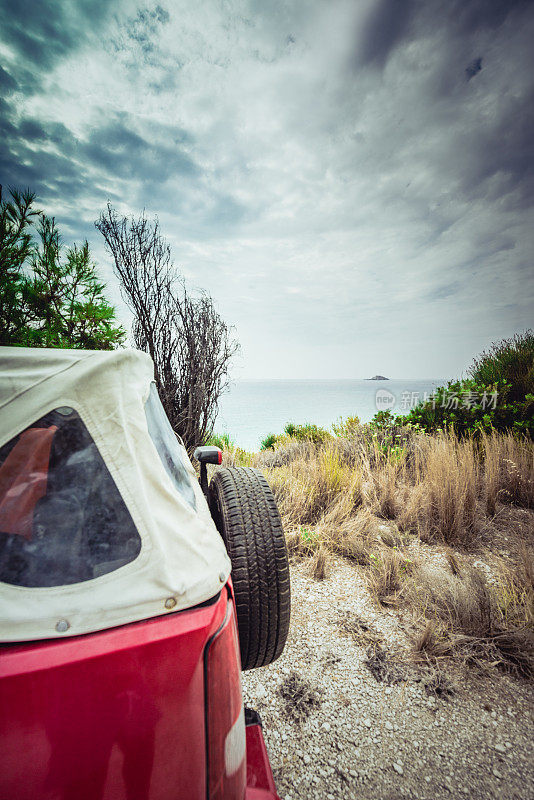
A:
{"x":442,"y":505}
{"x":318,"y":567}
{"x":508,"y":471}
{"x":383,"y":477}
{"x":383,"y":666}
{"x":300,"y":696}
{"x":353,"y":537}
{"x":462,"y":498}
{"x":363,"y":633}
{"x":387,"y":575}
{"x":467,"y":618}
{"x":306,"y":488}
{"x":439,"y":488}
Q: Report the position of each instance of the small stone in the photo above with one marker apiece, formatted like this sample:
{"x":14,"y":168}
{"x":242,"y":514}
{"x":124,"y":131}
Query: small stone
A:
{"x":500,"y":748}
{"x":497,"y":773}
{"x":260,"y":692}
{"x":415,"y":744}
{"x":326,"y":726}
{"x":493,"y":715}
{"x":427,"y":778}
{"x":389,"y":726}
{"x":398,"y":768}
{"x":367,"y":722}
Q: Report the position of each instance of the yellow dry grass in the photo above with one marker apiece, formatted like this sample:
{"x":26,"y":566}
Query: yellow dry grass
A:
{"x":442,"y":504}
{"x":365,"y":502}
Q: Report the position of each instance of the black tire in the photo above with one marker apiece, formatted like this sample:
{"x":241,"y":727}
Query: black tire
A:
{"x":245,"y":513}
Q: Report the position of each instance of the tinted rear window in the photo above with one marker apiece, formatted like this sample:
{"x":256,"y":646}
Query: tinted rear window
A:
{"x":62,"y":518}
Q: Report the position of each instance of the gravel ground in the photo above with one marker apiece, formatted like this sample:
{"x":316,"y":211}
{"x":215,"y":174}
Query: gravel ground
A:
{"x":334,"y":730}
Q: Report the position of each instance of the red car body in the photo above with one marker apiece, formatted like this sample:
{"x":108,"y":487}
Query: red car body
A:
{"x":140,"y":712}
{"x":120,"y":666}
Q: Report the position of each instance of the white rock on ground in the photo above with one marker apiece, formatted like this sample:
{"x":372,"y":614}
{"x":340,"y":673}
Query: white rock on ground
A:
{"x":462,"y":755}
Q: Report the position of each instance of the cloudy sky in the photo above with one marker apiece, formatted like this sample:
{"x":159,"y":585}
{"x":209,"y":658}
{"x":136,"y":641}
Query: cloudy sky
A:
{"x":351,"y":181}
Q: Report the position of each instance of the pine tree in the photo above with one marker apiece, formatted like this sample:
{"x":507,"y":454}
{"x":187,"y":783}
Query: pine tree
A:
{"x":49,"y":296}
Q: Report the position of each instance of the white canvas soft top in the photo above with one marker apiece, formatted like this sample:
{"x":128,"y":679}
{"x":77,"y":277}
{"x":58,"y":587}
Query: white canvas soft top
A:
{"x":182,"y":559}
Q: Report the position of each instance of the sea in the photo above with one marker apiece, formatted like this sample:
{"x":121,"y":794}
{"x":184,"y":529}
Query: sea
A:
{"x":251,"y":409}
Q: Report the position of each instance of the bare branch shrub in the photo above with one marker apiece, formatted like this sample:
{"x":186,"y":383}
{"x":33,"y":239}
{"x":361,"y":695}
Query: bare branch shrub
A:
{"x":190,"y":344}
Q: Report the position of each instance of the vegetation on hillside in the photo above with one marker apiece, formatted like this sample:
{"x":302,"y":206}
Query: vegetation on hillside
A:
{"x":436,"y":508}
{"x":441,"y":527}
{"x":498,"y":395}
{"x":49,"y":296}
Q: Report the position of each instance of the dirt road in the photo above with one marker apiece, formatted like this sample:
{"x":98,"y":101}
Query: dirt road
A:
{"x":338,"y":727}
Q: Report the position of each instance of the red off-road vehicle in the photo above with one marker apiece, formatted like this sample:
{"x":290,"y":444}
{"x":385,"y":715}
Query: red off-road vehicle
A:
{"x":123,"y":633}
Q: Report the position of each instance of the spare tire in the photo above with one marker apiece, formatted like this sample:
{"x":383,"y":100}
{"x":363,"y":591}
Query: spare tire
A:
{"x":245,"y":513}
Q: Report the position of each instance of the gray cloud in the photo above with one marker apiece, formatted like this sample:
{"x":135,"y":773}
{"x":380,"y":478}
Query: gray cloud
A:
{"x":340,"y":176}
{"x":384,"y":29}
{"x":473,"y":68}
{"x":42,"y":32}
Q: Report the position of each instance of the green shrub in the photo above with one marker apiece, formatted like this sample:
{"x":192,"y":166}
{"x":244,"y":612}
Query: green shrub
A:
{"x":346,"y":428}
{"x":470,"y":408}
{"x":499,"y":395}
{"x":269,"y":442}
{"x":382,"y":420}
{"x":510,"y":361}
{"x":220,"y":440}
{"x":307,"y":433}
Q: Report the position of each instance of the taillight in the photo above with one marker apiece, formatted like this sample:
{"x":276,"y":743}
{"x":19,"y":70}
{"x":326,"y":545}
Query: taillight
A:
{"x":224,"y":714}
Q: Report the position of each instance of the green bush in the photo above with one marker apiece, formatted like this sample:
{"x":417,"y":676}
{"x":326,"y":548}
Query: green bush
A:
{"x":269,"y":442}
{"x":307,"y":433}
{"x":220,"y":440}
{"x":509,"y":361}
{"x":346,"y":428}
{"x":470,"y":407}
{"x":499,"y":395}
{"x":382,"y":421}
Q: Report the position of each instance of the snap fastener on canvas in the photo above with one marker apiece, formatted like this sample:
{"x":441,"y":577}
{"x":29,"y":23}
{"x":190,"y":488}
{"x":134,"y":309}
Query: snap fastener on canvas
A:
{"x":62,"y":625}
{"x":170,"y":602}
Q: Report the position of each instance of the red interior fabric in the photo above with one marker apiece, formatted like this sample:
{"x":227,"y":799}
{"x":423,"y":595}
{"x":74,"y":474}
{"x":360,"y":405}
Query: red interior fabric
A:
{"x":23,"y":478}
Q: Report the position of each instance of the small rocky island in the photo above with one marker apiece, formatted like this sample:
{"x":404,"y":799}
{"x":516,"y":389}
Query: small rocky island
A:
{"x":377,"y":378}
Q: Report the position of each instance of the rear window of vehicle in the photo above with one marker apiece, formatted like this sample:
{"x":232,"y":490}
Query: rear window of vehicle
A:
{"x":62,"y":518}
{"x":166,"y":443}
